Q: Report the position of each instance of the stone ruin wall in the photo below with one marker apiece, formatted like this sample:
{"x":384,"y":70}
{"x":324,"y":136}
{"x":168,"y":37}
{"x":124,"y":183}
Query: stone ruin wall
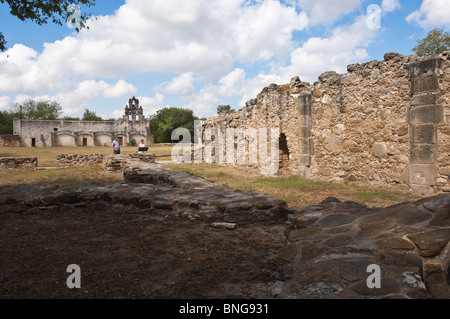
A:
{"x":110,"y":162}
{"x":9,"y":163}
{"x":381,"y":123}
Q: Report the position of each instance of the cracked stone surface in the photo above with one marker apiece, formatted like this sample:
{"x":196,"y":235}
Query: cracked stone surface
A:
{"x":330,"y":247}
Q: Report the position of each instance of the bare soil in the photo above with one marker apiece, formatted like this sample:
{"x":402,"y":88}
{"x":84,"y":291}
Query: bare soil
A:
{"x":135,"y":256}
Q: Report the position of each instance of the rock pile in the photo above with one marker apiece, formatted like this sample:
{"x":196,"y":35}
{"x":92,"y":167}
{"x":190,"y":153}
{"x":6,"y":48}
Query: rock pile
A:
{"x":331,"y":246}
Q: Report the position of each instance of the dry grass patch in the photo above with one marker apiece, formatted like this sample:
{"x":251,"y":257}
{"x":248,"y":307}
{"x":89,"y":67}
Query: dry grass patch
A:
{"x":66,"y":176}
{"x":296,"y":191}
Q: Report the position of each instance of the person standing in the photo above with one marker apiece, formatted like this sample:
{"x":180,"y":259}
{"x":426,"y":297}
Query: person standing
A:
{"x":116,"y":145}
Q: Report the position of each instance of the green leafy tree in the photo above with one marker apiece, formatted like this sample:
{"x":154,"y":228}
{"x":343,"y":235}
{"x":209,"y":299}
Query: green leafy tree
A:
{"x":42,"y":11}
{"x":167,"y":120}
{"x":436,"y":42}
{"x":69,"y":118}
{"x":91,"y":116}
{"x":224,"y":108}
{"x":38,"y":110}
{"x":6,"y":121}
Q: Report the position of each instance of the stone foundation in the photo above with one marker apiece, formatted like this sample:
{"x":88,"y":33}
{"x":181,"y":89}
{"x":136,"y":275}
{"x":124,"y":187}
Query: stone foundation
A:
{"x":330,"y":247}
{"x":18,"y":162}
{"x":149,"y":189}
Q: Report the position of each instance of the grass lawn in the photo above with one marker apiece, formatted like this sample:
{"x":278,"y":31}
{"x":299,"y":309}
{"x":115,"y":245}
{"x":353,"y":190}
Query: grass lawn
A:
{"x":297,"y":192}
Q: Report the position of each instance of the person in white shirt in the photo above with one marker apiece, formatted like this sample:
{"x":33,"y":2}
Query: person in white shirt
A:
{"x":116,"y":145}
{"x":141,"y":145}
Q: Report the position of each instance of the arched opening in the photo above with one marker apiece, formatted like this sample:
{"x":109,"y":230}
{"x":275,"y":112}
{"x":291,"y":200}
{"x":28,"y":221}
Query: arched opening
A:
{"x":284,"y":154}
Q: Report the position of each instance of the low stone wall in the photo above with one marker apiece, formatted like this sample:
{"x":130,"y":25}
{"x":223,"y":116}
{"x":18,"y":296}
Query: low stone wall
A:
{"x":111,"y":163}
{"x":75,"y":160}
{"x":18,"y":162}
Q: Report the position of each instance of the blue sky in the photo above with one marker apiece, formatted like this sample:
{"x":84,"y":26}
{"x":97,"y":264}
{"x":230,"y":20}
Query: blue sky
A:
{"x":199,"y":54}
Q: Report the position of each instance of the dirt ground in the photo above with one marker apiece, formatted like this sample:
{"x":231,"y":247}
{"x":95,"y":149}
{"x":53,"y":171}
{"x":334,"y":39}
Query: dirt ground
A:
{"x":134,"y":256}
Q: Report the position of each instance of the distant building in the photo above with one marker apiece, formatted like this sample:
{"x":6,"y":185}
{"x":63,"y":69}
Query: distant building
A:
{"x":133,"y":125}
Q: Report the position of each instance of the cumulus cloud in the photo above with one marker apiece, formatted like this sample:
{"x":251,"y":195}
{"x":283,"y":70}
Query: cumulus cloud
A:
{"x":328,"y":11}
{"x":345,"y":45}
{"x":5,"y":103}
{"x":432,"y":13}
{"x":390,"y":5}
{"x":183,"y":84}
{"x":76,"y":100}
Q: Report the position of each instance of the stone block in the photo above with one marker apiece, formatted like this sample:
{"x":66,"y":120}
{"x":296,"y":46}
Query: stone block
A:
{"x":305,"y":160}
{"x":423,"y":153}
{"x":305,"y":131}
{"x":424,"y":134}
{"x":305,"y":120}
{"x":304,"y":104}
{"x":427,"y":99}
{"x":426,"y":114}
{"x":380,"y":150}
{"x":306,"y":146}
{"x":424,"y":84}
{"x":333,"y":145}
{"x":425,"y":67}
{"x":422,"y":174}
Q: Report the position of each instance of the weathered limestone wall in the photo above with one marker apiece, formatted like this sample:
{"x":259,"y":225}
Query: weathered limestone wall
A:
{"x":384,"y":123}
{"x":443,"y":128}
{"x":18,"y":162}
{"x":360,"y":128}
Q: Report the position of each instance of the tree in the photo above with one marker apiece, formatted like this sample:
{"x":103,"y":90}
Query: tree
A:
{"x":224,"y":108}
{"x":6,"y":121}
{"x":69,"y":118}
{"x":41,"y":11}
{"x":39,"y":110}
{"x":167,"y":120}
{"x":91,"y":116}
{"x":436,"y":42}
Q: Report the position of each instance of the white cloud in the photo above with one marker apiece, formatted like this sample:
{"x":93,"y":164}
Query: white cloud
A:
{"x":232,"y":83}
{"x":390,"y":5}
{"x":345,"y":45}
{"x":121,"y":89}
{"x":5,"y":103}
{"x":183,"y":84}
{"x":432,"y":13}
{"x":152,"y":104}
{"x":328,"y":11}
{"x":77,"y":99}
